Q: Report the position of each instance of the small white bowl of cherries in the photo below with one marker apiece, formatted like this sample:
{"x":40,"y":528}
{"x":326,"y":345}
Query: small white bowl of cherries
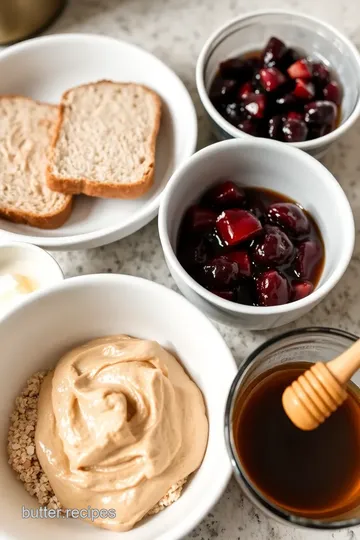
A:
{"x":280,"y":76}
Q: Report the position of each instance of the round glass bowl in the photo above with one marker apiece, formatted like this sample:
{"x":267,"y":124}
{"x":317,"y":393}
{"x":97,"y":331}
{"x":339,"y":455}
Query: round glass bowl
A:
{"x":311,"y":36}
{"x":303,"y":345}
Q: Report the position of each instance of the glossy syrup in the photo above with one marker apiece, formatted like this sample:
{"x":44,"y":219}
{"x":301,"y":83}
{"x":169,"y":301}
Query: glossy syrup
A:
{"x":314,"y":474}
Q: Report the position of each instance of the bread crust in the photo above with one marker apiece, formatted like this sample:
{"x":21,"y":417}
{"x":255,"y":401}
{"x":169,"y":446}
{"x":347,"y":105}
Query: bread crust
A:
{"x":46,"y":221}
{"x":76,"y":186}
{"x":51,"y":220}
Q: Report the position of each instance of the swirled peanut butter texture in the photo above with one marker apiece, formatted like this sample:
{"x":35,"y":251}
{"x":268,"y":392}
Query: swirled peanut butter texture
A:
{"x":119,"y":423}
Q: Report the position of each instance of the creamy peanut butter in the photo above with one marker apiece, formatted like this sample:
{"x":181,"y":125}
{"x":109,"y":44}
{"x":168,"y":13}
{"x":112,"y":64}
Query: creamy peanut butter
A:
{"x":119,"y":422}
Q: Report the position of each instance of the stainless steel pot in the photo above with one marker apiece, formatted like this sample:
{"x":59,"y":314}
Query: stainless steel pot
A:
{"x":20,"y":19}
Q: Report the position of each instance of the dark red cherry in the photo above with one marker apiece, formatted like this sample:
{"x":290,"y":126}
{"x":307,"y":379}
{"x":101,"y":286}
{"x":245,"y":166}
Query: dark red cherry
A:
{"x":286,"y":102}
{"x":244,"y":90}
{"x":321,"y":73}
{"x":308,"y":256}
{"x":218,"y":273}
{"x":289,"y":58}
{"x":255,"y":105}
{"x":225,"y":195}
{"x":290,"y":217}
{"x":222,"y":91}
{"x":214,"y":244}
{"x":271,"y":78}
{"x":294,"y":130}
{"x":226,"y":295}
{"x":235,"y":68}
{"x":304,"y":90}
{"x":272,"y":289}
{"x":321,"y":112}
{"x":248,"y":126}
{"x":300,"y":289}
{"x":232,"y":113}
{"x":275,"y":128}
{"x":193,"y":252}
{"x":200,"y":219}
{"x":245,"y":293}
{"x":273,"y":247}
{"x":237,"y":226}
{"x":332,"y":92}
{"x":273,"y":52}
{"x":255,"y":203}
{"x":242,"y":258}
{"x":301,"y":69}
{"x":318,"y":130}
{"x":294,"y":114}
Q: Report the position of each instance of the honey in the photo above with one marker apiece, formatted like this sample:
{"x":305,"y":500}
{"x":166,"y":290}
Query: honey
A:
{"x":313,"y":474}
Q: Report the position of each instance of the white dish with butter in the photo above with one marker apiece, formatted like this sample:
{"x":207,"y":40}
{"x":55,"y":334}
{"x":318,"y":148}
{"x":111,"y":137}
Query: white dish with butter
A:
{"x":24,"y":269}
{"x":56,"y":320}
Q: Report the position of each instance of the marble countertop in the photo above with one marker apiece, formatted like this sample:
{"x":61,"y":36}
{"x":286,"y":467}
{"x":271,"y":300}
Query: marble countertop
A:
{"x":175,"y":30}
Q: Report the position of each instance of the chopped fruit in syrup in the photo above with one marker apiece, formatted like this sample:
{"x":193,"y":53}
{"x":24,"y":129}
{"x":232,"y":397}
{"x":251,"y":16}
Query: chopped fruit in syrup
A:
{"x":255,"y":105}
{"x":294,"y":130}
{"x":304,"y":89}
{"x":290,"y":217}
{"x":236,"y":226}
{"x":226,"y":195}
{"x":321,"y":112}
{"x":251,"y":91}
{"x":273,"y":247}
{"x":274,"y":51}
{"x":218,"y":273}
{"x":308,"y":256}
{"x":301,"y":69}
{"x":199,"y":218}
{"x":272,"y":288}
{"x":301,"y":289}
{"x":242,"y":258}
{"x":225,"y":247}
{"x":271,"y":78}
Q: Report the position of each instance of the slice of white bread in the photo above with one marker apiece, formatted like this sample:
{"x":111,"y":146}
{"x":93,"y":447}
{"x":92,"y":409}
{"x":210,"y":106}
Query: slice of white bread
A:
{"x":26,"y":130}
{"x":105,"y":140}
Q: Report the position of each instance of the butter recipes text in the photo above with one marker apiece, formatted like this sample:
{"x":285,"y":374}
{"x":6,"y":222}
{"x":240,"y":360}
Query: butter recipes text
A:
{"x":84,"y":513}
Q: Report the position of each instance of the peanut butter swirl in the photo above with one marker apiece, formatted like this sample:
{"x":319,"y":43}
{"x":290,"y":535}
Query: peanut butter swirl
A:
{"x":119,"y":422}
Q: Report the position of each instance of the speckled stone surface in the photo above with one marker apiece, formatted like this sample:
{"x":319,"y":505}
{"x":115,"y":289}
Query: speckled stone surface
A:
{"x":175,"y":31}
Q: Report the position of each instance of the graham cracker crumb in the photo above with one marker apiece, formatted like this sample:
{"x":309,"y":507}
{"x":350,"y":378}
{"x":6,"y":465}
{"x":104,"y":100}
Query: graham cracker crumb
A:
{"x":172,"y":496}
{"x":22,"y":451}
{"x":21,"y":444}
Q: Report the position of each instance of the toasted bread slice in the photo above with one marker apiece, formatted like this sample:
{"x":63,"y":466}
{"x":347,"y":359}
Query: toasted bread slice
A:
{"x":105,"y":141}
{"x":26,"y":130}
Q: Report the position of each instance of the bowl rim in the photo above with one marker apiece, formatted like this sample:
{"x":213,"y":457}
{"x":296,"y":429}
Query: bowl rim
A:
{"x":148,"y":211}
{"x":273,"y":510}
{"x":241,"y":309}
{"x":186,"y":523}
{"x":231,"y":130}
{"x":56,"y":272}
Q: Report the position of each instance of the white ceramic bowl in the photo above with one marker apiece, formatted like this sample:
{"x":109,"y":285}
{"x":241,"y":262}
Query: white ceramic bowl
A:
{"x":30,"y":261}
{"x":316,"y":38}
{"x":43,"y":68}
{"x":52,"y":322}
{"x":272,"y":165}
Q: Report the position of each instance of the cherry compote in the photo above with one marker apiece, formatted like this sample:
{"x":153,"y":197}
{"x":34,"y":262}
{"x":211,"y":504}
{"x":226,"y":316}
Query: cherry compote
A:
{"x":251,"y":246}
{"x":277,"y":93}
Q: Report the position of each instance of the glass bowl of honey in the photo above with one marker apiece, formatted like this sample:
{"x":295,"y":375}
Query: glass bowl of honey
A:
{"x":305,"y":478}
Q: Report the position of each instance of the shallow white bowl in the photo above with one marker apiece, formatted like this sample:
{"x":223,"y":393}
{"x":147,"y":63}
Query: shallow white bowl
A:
{"x":34,"y":337}
{"x":314,"y":37}
{"x":272,"y":165}
{"x":43,"y":68}
{"x":30,"y":261}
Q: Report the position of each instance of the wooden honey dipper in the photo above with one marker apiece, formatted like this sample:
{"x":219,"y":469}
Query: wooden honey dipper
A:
{"x":316,"y":394}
